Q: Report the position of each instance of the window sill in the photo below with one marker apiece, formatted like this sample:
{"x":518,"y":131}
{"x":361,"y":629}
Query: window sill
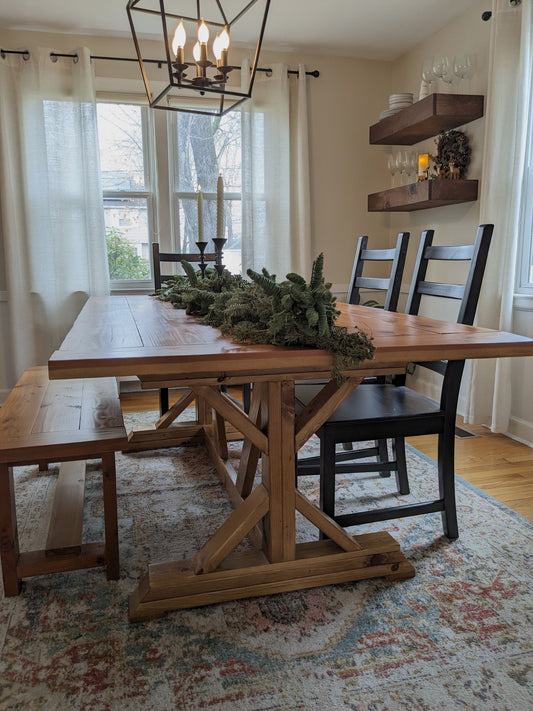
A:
{"x":523,"y":302}
{"x":131,"y":291}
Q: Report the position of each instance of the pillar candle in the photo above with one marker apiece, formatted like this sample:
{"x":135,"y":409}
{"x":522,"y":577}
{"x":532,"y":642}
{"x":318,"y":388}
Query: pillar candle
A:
{"x":220,"y":207}
{"x":200,"y":215}
{"x":423,"y":163}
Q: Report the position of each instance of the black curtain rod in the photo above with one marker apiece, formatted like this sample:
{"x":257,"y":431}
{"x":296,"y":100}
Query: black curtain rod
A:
{"x":315,"y":73}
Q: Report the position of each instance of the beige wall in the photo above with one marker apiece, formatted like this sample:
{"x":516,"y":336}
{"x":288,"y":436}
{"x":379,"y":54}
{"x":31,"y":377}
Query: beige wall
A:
{"x":453,"y":224}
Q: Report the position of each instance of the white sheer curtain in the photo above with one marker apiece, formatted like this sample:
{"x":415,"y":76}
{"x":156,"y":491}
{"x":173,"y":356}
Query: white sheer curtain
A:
{"x":508,"y":105}
{"x":51,"y":199}
{"x":276,"y":203}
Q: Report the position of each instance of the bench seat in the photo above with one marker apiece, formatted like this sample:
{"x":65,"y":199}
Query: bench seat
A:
{"x":65,"y":421}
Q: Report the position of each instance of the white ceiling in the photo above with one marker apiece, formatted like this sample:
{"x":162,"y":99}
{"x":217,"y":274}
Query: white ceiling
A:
{"x":375,"y":29}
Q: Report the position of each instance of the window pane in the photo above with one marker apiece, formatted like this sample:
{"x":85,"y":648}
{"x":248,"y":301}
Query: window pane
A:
{"x":126,"y":228}
{"x":207,"y":144}
{"x":120,"y":136}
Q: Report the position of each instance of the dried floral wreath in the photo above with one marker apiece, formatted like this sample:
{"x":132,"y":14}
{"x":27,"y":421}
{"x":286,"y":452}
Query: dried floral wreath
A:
{"x":453,"y":147}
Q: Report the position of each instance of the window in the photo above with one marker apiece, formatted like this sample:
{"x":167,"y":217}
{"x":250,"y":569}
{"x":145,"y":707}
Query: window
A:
{"x":128,"y":192}
{"x":203,"y":147}
{"x":138,"y":189}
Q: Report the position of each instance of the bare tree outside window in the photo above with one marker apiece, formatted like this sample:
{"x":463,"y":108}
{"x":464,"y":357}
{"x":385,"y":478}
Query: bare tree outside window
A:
{"x":207,"y":146}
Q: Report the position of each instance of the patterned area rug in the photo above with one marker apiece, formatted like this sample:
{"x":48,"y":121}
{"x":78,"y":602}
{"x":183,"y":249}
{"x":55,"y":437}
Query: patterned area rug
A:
{"x":456,"y":636}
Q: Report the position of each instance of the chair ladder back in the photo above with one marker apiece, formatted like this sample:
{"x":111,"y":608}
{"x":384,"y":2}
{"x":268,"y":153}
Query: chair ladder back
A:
{"x":468,"y":292}
{"x":174,"y":257}
{"x":357,"y":270}
{"x":474,"y":280}
{"x":419,"y":273}
{"x":396,"y":275}
{"x":391,"y":284}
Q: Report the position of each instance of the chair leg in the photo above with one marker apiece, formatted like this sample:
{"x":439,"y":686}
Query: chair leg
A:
{"x":446,"y":467}
{"x":110,"y":517}
{"x":402,"y":481}
{"x":383,"y":455}
{"x":327,"y":475}
{"x":163,"y":401}
{"x":246,"y":397}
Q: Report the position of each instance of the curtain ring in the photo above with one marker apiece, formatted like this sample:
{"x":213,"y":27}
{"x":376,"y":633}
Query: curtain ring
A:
{"x":268,"y":72}
{"x":2,"y":54}
{"x":53,"y":57}
{"x":26,"y":56}
{"x":75,"y":59}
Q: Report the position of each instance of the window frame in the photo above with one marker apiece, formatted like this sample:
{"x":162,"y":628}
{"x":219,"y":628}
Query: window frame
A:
{"x":159,"y":132}
{"x":151,"y":181}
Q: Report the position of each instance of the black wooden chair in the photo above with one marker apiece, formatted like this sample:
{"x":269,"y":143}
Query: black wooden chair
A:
{"x":391,"y":411}
{"x":210,"y":259}
{"x":391,"y":287}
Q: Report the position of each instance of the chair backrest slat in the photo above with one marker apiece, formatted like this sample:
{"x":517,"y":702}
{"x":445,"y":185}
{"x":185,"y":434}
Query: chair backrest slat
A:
{"x":390,"y":285}
{"x":373,"y":283}
{"x":433,"y":288}
{"x":460,"y":253}
{"x":379,"y":255}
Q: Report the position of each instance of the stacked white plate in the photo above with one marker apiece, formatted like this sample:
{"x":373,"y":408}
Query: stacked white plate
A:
{"x":397,"y":102}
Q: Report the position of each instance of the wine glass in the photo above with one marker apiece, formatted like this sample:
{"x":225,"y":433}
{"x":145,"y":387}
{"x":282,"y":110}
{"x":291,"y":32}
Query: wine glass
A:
{"x":391,"y":164}
{"x":413,"y":160}
{"x":463,"y":68}
{"x":402,"y":163}
{"x":441,"y":66}
{"x":427,"y":73}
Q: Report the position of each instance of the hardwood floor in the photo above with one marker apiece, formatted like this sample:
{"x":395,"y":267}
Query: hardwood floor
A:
{"x":497,"y":464}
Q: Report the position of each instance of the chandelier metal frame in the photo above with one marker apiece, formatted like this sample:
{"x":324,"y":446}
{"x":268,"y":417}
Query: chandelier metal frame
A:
{"x":203,"y":82}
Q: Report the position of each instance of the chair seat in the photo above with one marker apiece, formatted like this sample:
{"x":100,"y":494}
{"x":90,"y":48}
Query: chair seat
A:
{"x":398,"y":408}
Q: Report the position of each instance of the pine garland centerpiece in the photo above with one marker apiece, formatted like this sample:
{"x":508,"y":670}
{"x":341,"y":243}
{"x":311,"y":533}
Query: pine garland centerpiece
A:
{"x":264,"y":311}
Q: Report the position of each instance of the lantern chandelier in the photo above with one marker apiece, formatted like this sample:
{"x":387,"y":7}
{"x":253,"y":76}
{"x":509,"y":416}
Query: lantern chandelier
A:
{"x":197,"y":37}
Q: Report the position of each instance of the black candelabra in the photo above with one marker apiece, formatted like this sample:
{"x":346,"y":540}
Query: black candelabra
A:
{"x":219,"y":243}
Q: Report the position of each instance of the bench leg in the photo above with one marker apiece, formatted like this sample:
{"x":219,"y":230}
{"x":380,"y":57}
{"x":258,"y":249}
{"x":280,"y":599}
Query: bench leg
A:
{"x":9,"y":545}
{"x":110,"y":516}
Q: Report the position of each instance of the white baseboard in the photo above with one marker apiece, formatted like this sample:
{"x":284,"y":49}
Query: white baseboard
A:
{"x":521,"y":431}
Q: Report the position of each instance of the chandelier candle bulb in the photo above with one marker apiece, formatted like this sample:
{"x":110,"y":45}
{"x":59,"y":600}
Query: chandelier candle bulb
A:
{"x":220,"y":206}
{"x":200,"y":215}
{"x":178,"y":43}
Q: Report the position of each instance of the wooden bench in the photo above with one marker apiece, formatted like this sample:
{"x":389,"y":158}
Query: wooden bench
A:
{"x":67,"y":421}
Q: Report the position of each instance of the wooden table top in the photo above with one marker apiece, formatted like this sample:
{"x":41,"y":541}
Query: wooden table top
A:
{"x":139,"y":335}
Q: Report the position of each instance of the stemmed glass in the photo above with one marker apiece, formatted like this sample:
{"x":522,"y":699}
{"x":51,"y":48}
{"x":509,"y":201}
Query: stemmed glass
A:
{"x":463,"y":68}
{"x":427,"y":73}
{"x":391,"y":164}
{"x":402,"y":164}
{"x":441,"y":67}
{"x":413,"y":160}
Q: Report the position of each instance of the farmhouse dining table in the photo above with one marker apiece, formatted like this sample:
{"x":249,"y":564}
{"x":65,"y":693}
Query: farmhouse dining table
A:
{"x":164,"y":347}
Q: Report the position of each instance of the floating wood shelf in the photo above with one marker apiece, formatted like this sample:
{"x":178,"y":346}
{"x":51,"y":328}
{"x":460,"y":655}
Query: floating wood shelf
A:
{"x":425,"y":118}
{"x":422,"y":195}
